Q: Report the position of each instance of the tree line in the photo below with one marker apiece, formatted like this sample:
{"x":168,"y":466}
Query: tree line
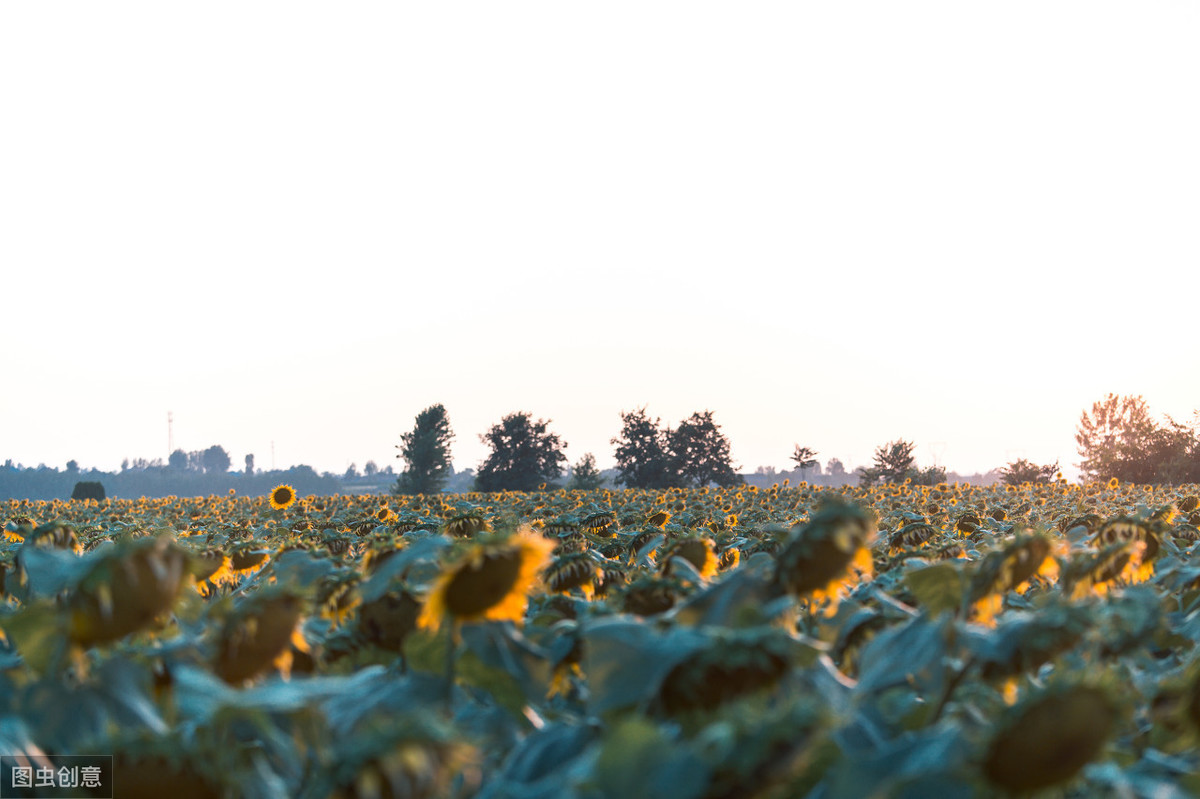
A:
{"x":1117,"y":439}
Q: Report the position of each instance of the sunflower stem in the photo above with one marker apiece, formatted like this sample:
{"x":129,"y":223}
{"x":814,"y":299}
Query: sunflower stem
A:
{"x":451,"y":647}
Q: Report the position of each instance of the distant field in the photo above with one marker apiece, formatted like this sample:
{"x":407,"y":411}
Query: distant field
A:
{"x":772,"y":642}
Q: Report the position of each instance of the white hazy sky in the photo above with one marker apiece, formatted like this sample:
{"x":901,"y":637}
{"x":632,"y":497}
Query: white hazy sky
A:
{"x":833,"y":224}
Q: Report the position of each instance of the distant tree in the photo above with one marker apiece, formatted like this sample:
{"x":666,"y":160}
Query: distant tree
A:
{"x":584,"y":475}
{"x":700,"y":452}
{"x":88,"y":489}
{"x":804,"y":457}
{"x":894,"y":463}
{"x":351,"y":472}
{"x":370,"y":470}
{"x":125,"y":465}
{"x":72,"y":467}
{"x":426,"y":453}
{"x":1119,"y":438}
{"x":178,"y":460}
{"x":835,"y":467}
{"x":1022,"y":471}
{"x":525,"y":455}
{"x":215,"y":460}
{"x":249,"y":464}
{"x":643,"y":458}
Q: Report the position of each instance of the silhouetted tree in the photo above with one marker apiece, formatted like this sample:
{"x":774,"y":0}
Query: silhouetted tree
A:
{"x":804,"y":457}
{"x":426,"y":451}
{"x":215,"y":460}
{"x":584,"y":475}
{"x":1120,"y":439}
{"x":835,"y":467}
{"x":249,"y":464}
{"x":351,"y":472}
{"x":525,"y":455}
{"x":1023,"y":471}
{"x":643,"y":460}
{"x":178,"y":460}
{"x":700,"y":453}
{"x":370,"y":470}
{"x":894,"y":463}
{"x":88,"y":489}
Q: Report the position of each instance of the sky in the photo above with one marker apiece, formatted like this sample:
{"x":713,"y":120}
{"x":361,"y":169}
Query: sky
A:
{"x":295,"y":225}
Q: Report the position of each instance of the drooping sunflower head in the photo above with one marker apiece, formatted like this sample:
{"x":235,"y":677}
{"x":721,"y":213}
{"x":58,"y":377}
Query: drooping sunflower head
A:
{"x":1123,"y":529}
{"x":1048,"y":739}
{"x":490,"y":580}
{"x":736,"y":664}
{"x":697,"y":551}
{"x":282,"y":496}
{"x":467,"y":524}
{"x":823,"y":555}
{"x":574,"y":570}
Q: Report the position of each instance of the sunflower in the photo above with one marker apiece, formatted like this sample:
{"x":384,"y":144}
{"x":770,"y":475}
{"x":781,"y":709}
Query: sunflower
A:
{"x":828,"y":555}
{"x":1050,"y":738}
{"x":490,"y":581}
{"x":282,"y":496}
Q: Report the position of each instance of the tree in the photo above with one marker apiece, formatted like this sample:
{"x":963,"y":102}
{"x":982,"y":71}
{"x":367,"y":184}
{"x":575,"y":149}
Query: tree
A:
{"x":835,"y":467}
{"x":351,"y":472}
{"x":1022,"y":471}
{"x":178,"y":460}
{"x":215,"y":460}
{"x":88,"y":489}
{"x":804,"y":457}
{"x":525,"y":455}
{"x":894,"y":463}
{"x":643,"y":460}
{"x":1119,"y":438}
{"x":249,"y":464}
{"x":700,"y":453}
{"x":371,"y":469}
{"x":426,"y":453}
{"x":72,"y":466}
{"x":584,"y":475}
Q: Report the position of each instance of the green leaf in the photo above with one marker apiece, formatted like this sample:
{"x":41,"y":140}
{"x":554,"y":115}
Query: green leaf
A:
{"x":626,"y":661}
{"x":937,"y":588}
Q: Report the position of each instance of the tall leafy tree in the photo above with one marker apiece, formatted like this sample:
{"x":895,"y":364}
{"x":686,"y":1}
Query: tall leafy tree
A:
{"x":426,"y":453}
{"x":895,"y":463}
{"x":525,"y":455}
{"x":584,"y":475}
{"x":643,"y":459}
{"x":1024,"y":471}
{"x":700,"y":452}
{"x":1119,"y":438}
{"x":805,"y":457}
{"x":215,"y":460}
{"x":1115,"y":438}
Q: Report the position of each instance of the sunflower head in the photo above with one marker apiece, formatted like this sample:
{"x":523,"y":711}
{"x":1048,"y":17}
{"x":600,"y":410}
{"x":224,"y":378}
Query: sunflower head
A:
{"x":467,"y":524}
{"x":1123,"y":529}
{"x":491,"y":580}
{"x":736,"y":664}
{"x":822,"y":554}
{"x":260,"y":634}
{"x":574,"y":570}
{"x":697,"y":551}
{"x":282,"y":496}
{"x":1048,"y":739}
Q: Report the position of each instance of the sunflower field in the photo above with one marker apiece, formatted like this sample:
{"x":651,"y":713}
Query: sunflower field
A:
{"x":893,"y":641}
